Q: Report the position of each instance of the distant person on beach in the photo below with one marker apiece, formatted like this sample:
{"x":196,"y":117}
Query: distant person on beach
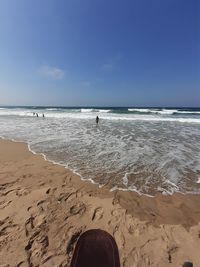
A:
{"x":43,"y":115}
{"x":36,"y":115}
{"x":33,"y":113}
{"x":97,"y":120}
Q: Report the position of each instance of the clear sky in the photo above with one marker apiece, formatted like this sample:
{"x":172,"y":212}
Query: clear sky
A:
{"x":100,"y":52}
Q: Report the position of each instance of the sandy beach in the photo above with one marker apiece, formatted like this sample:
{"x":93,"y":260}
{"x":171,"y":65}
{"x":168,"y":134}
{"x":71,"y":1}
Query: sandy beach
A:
{"x":45,"y":207}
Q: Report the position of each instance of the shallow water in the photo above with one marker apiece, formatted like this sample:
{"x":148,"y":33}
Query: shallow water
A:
{"x":144,"y":150}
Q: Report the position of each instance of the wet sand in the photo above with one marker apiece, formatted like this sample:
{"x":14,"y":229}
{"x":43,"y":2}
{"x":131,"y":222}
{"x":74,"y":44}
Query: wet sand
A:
{"x":44,"y":208}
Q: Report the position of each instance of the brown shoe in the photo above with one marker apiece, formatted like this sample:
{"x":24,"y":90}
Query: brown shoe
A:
{"x":95,"y":248}
{"x":188,"y":264}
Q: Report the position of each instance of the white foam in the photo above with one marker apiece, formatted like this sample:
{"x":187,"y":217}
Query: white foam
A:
{"x":51,"y":109}
{"x":87,"y":110}
{"x":125,"y":179}
{"x":16,"y":112}
{"x":167,"y":111}
{"x":156,"y":153}
{"x":132,"y":189}
{"x":139,"y":110}
{"x":106,"y":114}
{"x":187,"y":112}
{"x":104,"y":110}
{"x":151,"y":118}
{"x":172,"y":184}
{"x":154,"y":111}
{"x":114,"y":117}
{"x":129,"y":189}
{"x":125,"y":117}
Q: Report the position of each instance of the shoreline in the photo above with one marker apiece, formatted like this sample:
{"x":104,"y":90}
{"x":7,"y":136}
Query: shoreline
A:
{"x":43,"y":205}
{"x":57,"y":163}
{"x":111,"y":189}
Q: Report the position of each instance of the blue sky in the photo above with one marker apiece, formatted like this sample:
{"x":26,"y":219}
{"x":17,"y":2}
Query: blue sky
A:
{"x":100,"y":52}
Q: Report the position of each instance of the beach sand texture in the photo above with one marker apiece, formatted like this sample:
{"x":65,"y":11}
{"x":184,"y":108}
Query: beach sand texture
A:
{"x":44,"y":208}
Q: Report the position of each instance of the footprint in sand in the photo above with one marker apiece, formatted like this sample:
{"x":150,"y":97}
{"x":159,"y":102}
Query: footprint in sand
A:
{"x":55,"y":260}
{"x":4,"y":204}
{"x":131,"y":259}
{"x":119,"y":238}
{"x":2,"y":222}
{"x":40,"y":220}
{"x":71,"y":196}
{"x":9,"y":191}
{"x":72,"y":241}
{"x":48,"y":191}
{"x":37,"y":245}
{"x":171,"y":251}
{"x":97,"y":214}
{"x":21,"y":264}
{"x":63,"y":197}
{"x":29,"y":226}
{"x":117,"y":214}
{"x":130,"y":224}
{"x":80,"y":208}
{"x":42,"y":205}
{"x":6,"y":226}
{"x":6,"y":230}
{"x":22,"y":192}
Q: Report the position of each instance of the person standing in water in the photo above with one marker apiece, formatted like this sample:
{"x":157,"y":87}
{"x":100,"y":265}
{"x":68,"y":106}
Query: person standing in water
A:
{"x":97,"y":119}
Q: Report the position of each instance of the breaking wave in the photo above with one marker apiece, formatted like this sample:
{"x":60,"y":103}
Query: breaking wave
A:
{"x":146,"y":150}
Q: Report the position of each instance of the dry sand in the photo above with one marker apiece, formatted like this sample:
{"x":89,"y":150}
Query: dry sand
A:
{"x":44,"y":208}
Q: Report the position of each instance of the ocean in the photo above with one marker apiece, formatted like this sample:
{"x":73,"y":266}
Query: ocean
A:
{"x":146,"y":150}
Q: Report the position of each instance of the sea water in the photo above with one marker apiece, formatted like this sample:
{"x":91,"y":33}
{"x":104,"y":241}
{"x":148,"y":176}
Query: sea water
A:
{"x":146,"y":150}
